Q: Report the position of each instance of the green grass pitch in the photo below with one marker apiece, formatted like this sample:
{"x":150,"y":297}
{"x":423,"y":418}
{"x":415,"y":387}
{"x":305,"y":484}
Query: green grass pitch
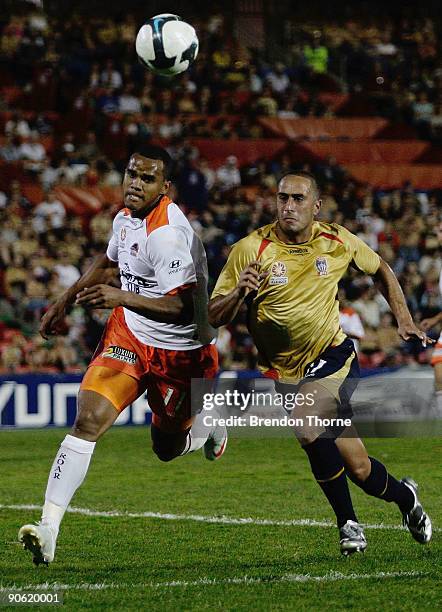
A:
{"x":167,"y":564}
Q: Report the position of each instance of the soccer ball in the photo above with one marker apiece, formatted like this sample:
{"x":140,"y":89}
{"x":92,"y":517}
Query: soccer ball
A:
{"x":166,"y":44}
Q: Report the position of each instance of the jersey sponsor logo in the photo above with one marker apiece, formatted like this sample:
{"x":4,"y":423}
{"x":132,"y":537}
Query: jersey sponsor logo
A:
{"x":278,"y":274}
{"x":123,"y":234}
{"x":134,"y":248}
{"x":133,"y":279}
{"x":120,"y":354}
{"x":321,"y":266}
{"x":298,"y":250}
{"x":175,"y":266}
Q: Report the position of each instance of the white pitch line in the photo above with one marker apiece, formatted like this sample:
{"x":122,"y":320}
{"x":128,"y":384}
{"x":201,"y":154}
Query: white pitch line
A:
{"x":223,"y":520}
{"x":329,"y":577}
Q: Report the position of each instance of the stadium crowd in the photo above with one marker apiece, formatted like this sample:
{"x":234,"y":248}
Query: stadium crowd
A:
{"x":80,"y":64}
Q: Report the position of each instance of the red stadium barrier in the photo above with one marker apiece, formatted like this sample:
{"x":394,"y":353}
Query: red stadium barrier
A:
{"x":320,"y":128}
{"x":421,"y":176}
{"x":78,"y":200}
{"x":247,"y":151}
{"x":399,"y":152}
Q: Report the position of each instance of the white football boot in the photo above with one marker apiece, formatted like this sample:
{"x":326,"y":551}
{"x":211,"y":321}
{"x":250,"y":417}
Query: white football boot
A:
{"x":352,"y":538}
{"x":417,"y":521}
{"x":215,"y":444}
{"x":40,"y":540}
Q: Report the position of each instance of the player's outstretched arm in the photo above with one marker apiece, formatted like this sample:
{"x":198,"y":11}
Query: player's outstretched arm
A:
{"x":166,"y":309}
{"x":54,"y":317}
{"x":224,"y":308}
{"x":392,"y":292}
{"x":431,"y":322}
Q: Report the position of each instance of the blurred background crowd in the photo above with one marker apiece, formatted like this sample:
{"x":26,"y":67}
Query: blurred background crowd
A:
{"x":74,"y":101}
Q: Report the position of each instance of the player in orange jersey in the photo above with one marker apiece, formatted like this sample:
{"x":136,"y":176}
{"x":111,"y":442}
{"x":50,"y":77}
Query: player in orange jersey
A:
{"x":156,"y":339}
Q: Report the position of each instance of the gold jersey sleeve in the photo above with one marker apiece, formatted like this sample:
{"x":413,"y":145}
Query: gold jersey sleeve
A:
{"x":364,"y":258}
{"x":242,"y":254}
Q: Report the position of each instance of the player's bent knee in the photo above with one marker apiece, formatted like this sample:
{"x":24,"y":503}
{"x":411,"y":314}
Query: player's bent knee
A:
{"x":165,"y":454}
{"x":86,"y":426}
{"x":167,"y":446}
{"x":95,"y":415}
{"x":360,"y":471}
{"x":306,"y":436}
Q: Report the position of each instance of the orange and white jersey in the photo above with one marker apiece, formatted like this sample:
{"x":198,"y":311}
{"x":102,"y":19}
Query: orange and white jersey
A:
{"x":351,"y":324}
{"x":437,"y":351}
{"x":157,"y":256}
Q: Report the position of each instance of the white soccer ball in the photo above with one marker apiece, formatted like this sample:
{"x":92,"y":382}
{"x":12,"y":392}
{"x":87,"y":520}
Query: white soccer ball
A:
{"x":166,"y":44}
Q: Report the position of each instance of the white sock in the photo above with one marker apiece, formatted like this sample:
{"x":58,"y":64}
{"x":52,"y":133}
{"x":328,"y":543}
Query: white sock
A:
{"x":198,"y":434}
{"x":439,"y":402}
{"x":67,"y":473}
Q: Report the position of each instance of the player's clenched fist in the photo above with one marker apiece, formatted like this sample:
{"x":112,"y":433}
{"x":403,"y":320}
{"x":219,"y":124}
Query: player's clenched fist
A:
{"x":250,"y":278}
{"x":53,"y":320}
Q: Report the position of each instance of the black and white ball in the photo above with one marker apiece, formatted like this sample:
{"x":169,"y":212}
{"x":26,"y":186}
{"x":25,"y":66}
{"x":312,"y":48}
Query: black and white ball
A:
{"x":166,"y":44}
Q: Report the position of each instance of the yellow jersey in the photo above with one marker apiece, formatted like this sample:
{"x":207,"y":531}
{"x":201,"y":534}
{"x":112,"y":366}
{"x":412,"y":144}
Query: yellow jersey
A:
{"x":294,"y":316}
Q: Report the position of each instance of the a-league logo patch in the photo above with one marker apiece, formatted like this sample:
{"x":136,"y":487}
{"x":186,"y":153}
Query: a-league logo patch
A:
{"x":278,"y":274}
{"x":321,"y":266}
{"x":120,"y":354}
{"x":123,"y":234}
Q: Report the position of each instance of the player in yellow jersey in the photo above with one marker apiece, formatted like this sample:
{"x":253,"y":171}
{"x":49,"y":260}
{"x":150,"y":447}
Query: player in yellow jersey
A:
{"x":288,"y":272}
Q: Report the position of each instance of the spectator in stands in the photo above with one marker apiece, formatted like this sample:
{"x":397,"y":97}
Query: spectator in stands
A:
{"x":387,"y":336}
{"x":67,"y":272}
{"x":101,"y":226}
{"x":110,"y":77}
{"x":66,"y":174}
{"x":228,"y":175}
{"x":266,"y":104}
{"x":367,"y":307}
{"x":209,"y":174}
{"x":316,"y":55}
{"x":128,"y":102}
{"x":49,"y":215}
{"x":18,"y":126}
{"x":192,"y":186}
{"x":94,"y":76}
{"x":278,"y":79}
{"x":33,"y":153}
{"x":10,"y":150}
{"x":171,"y":127}
{"x":146,"y":100}
{"x":89,"y":148}
{"x":26,"y":243}
{"x":17,"y":200}
{"x":423,"y":111}
{"x":255,"y":81}
{"x":107,"y":102}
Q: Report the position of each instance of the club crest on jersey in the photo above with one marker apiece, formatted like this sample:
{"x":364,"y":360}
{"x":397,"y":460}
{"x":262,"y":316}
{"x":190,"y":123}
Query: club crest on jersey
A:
{"x":321,"y":266}
{"x":123,"y":234}
{"x":134,"y":248}
{"x":278,"y":274}
{"x":120,"y":354}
